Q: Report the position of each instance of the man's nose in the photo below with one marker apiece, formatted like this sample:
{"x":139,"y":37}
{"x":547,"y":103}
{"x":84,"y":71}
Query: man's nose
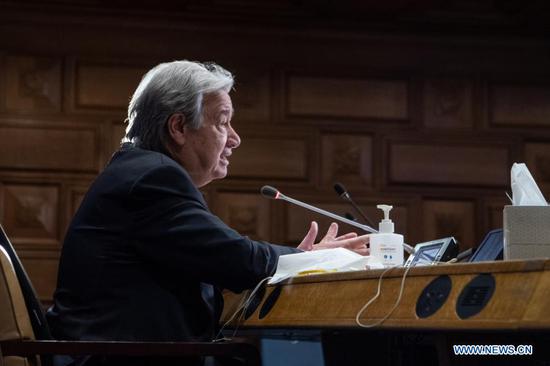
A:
{"x":234,"y":139}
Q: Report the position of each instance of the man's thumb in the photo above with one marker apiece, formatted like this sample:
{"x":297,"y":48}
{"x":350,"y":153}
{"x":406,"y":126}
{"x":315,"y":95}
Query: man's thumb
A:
{"x":309,"y":239}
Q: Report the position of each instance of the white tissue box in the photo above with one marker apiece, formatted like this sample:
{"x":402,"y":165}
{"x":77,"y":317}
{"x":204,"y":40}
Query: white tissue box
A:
{"x":526,"y":232}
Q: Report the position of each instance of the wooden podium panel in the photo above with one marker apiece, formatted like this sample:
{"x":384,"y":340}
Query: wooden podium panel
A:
{"x":520,"y":299}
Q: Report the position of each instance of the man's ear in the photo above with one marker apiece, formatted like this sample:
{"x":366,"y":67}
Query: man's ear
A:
{"x":176,"y":128}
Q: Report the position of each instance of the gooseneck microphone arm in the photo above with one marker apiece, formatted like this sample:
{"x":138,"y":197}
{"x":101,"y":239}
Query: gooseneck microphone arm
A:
{"x":343,"y":193}
{"x":273,"y":193}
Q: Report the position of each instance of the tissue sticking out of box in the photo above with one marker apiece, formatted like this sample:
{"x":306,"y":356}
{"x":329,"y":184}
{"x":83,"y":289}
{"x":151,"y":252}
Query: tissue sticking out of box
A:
{"x":322,"y":261}
{"x":525,"y":191}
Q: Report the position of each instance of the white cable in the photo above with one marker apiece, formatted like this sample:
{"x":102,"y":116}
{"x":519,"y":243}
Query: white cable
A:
{"x":358,"y":322}
{"x":245,"y":302}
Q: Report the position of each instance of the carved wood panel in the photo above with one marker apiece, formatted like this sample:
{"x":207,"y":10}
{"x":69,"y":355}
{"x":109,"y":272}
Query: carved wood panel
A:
{"x":448,"y":103}
{"x":347,"y":158}
{"x":33,"y":84}
{"x":252,"y":95}
{"x":270,"y":157}
{"x":32,"y":145}
{"x":248,"y":213}
{"x":416,"y":163}
{"x":76,"y":195}
{"x":354,"y":98}
{"x":494,"y":211}
{"x":30,"y":213}
{"x":41,"y":266}
{"x":537,"y":159}
{"x":519,"y":105}
{"x":443,"y":218}
{"x":105,"y":86}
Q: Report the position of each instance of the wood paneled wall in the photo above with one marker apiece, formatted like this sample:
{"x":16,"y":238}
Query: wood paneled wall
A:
{"x":430,"y":124}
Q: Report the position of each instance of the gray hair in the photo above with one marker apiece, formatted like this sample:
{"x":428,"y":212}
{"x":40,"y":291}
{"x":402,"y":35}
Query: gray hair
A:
{"x":169,"y":88}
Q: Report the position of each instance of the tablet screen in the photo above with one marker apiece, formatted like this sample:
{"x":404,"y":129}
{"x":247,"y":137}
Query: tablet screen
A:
{"x":426,"y":255}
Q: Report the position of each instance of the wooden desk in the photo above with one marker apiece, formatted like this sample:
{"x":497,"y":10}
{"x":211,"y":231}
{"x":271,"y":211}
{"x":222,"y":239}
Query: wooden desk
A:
{"x":518,"y":308}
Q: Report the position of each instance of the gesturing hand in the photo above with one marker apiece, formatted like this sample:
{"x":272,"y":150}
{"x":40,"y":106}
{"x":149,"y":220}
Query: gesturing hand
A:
{"x":349,"y":241}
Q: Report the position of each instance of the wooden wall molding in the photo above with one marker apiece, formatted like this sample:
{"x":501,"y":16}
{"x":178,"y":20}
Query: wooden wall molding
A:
{"x":252,"y":94}
{"x":75,"y":195}
{"x":448,"y":103}
{"x":33,"y":84}
{"x":30,"y":213}
{"x":347,"y":158}
{"x":41,"y":266}
{"x":437,"y":162}
{"x":247,"y":212}
{"x":348,"y":98}
{"x":493,"y":212}
{"x":519,"y":105}
{"x":443,"y":218}
{"x":49,"y":146}
{"x":102,"y":86}
{"x":537,"y":158}
{"x":274,"y":154}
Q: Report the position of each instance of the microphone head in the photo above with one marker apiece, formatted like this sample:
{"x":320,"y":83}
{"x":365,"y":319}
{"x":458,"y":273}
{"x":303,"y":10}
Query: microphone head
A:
{"x":339,"y":188}
{"x":349,"y":216}
{"x":269,"y":192}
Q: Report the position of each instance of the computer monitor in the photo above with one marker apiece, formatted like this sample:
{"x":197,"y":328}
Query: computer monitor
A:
{"x":432,"y":252}
{"x":491,"y":248}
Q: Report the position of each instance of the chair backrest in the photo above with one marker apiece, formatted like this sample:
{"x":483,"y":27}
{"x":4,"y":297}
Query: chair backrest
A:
{"x":34,"y":307}
{"x":14,"y":319}
{"x":15,"y":323}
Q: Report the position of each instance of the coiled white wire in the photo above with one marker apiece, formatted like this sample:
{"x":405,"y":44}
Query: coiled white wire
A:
{"x":358,"y":322}
{"x":243,"y":305}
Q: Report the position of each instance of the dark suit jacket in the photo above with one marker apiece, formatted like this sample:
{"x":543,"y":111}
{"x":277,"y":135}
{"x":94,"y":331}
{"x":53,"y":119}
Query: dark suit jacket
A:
{"x":144,"y":258}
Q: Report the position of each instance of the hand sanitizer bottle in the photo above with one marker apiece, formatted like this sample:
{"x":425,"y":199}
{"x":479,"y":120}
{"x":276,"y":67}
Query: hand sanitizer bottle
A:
{"x":387,"y":246}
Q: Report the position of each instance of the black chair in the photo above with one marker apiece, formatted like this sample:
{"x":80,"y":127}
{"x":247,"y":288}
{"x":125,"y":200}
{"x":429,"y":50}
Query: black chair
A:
{"x":25,"y":337}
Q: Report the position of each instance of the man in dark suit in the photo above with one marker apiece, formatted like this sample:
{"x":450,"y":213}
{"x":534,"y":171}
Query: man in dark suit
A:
{"x":144,"y":258}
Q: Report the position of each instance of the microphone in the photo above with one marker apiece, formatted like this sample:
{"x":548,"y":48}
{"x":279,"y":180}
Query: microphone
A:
{"x":273,"y":193}
{"x":269,"y":192}
{"x":343,"y":193}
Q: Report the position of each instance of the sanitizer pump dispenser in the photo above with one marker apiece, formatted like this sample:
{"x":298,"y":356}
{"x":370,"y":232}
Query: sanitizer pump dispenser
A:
{"x":387,"y":246}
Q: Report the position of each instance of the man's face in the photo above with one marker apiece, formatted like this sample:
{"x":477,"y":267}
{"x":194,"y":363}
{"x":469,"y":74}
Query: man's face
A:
{"x":206,"y":151}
